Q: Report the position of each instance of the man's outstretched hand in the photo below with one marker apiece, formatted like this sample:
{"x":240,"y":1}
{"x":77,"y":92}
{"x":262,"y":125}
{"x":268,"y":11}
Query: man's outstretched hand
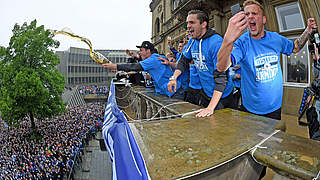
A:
{"x":172,"y":83}
{"x":164,"y":61}
{"x":110,"y":65}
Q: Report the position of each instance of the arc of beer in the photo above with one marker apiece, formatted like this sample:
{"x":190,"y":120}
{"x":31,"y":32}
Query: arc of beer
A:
{"x":96,"y":56}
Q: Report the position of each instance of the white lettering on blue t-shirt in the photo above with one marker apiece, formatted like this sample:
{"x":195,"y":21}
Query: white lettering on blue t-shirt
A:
{"x":266,"y":67}
{"x":196,"y":59}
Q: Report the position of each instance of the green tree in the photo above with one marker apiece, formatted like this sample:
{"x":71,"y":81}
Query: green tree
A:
{"x":30,"y":84}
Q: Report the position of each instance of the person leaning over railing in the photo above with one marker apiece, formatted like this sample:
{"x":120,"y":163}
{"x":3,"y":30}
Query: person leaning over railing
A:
{"x":160,"y":73}
{"x":215,"y":87}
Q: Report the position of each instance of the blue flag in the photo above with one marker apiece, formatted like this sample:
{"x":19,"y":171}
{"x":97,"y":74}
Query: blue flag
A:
{"x":127,"y":161}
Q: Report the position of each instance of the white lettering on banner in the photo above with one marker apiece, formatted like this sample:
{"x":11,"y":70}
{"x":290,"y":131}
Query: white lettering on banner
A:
{"x":266,"y":67}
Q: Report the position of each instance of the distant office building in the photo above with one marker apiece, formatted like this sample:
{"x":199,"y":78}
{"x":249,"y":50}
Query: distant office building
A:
{"x":78,"y":68}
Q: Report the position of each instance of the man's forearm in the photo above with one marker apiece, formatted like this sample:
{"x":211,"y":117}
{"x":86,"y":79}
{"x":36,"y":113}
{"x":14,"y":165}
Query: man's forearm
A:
{"x":183,"y":63}
{"x":301,"y":41}
{"x":224,"y":59}
{"x":172,"y":64}
{"x":176,"y":73}
{"x":129,"y":67}
{"x":214,"y":100}
{"x":221,"y":80}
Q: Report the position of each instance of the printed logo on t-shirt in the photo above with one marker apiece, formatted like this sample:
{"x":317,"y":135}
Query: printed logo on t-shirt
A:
{"x":266,"y":66}
{"x":201,"y":66}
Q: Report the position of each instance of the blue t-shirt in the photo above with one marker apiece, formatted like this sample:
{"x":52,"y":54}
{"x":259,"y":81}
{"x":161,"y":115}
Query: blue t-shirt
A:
{"x":176,"y":53}
{"x":237,"y":82}
{"x":184,"y":77}
{"x":194,"y":77}
{"x":232,"y":74}
{"x":261,"y":76}
{"x":194,"y":80}
{"x":206,"y":63}
{"x":160,"y":73}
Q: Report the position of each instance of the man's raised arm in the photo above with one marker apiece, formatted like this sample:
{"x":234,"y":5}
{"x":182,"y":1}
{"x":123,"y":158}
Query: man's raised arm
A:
{"x":303,"y":38}
{"x":236,"y":25}
{"x":224,"y":56}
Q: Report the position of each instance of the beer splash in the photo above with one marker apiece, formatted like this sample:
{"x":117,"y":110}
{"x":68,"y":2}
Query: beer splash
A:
{"x":96,"y":56}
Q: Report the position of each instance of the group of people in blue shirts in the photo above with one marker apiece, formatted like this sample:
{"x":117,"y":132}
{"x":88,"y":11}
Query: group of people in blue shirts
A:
{"x":202,"y":75}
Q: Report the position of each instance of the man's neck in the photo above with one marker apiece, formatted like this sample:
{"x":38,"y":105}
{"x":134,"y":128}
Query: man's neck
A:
{"x":203,"y":33}
{"x":259,"y":36}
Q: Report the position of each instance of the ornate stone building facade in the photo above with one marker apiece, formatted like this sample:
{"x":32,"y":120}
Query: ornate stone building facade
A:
{"x":287,"y":17}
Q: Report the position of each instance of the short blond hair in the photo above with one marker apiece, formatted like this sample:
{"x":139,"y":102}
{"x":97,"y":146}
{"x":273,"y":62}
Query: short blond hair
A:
{"x":250,"y":2}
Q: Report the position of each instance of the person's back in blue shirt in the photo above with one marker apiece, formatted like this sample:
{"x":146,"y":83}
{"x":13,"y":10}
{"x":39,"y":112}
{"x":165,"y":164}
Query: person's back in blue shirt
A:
{"x":160,"y":73}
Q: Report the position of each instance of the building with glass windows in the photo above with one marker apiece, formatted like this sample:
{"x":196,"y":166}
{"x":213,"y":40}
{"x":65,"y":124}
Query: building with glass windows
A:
{"x":287,"y":17}
{"x":78,"y":68}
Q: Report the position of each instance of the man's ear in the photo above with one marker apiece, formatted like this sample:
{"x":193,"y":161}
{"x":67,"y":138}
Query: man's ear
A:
{"x":149,"y":51}
{"x":204,"y":24}
{"x":264,"y":20}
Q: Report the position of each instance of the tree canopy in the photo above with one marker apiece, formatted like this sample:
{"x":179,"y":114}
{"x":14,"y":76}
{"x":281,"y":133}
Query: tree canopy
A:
{"x":30,"y":84}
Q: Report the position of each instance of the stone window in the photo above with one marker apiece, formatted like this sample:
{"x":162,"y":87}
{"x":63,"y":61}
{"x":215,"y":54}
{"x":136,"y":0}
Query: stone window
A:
{"x":157,"y":26}
{"x":296,"y":67}
{"x":289,"y":17}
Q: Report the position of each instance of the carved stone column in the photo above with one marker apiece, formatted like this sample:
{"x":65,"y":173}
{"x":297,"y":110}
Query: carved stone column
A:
{"x":217,"y":20}
{"x":137,"y":107}
{"x":154,"y":110}
{"x":149,"y":109}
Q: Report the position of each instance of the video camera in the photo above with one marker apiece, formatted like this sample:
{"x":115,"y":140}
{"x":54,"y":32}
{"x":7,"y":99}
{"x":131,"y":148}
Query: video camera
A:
{"x":314,"y":38}
{"x":139,"y":78}
{"x":121,"y":75}
{"x":310,"y":93}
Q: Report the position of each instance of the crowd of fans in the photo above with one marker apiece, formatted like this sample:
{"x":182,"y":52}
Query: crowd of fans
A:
{"x":52,"y":157}
{"x":95,"y":90}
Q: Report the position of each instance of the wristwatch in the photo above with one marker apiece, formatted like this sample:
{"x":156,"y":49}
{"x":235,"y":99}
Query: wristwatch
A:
{"x":172,"y":78}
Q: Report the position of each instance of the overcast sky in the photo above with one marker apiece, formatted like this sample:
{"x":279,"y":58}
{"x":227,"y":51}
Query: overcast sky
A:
{"x":108,"y":24}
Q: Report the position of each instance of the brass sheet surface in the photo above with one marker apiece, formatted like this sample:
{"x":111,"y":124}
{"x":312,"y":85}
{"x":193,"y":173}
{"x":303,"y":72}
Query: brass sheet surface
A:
{"x":291,"y":155}
{"x":180,"y":147}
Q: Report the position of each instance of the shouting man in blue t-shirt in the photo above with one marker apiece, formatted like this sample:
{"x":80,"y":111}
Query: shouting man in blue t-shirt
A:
{"x":258,"y":52}
{"x":201,"y":51}
{"x":160,"y":73}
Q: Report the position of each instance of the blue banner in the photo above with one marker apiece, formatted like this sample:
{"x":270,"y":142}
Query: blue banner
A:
{"x":127,"y":161}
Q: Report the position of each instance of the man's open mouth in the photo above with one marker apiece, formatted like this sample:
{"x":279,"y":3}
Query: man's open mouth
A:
{"x":252,"y":26}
